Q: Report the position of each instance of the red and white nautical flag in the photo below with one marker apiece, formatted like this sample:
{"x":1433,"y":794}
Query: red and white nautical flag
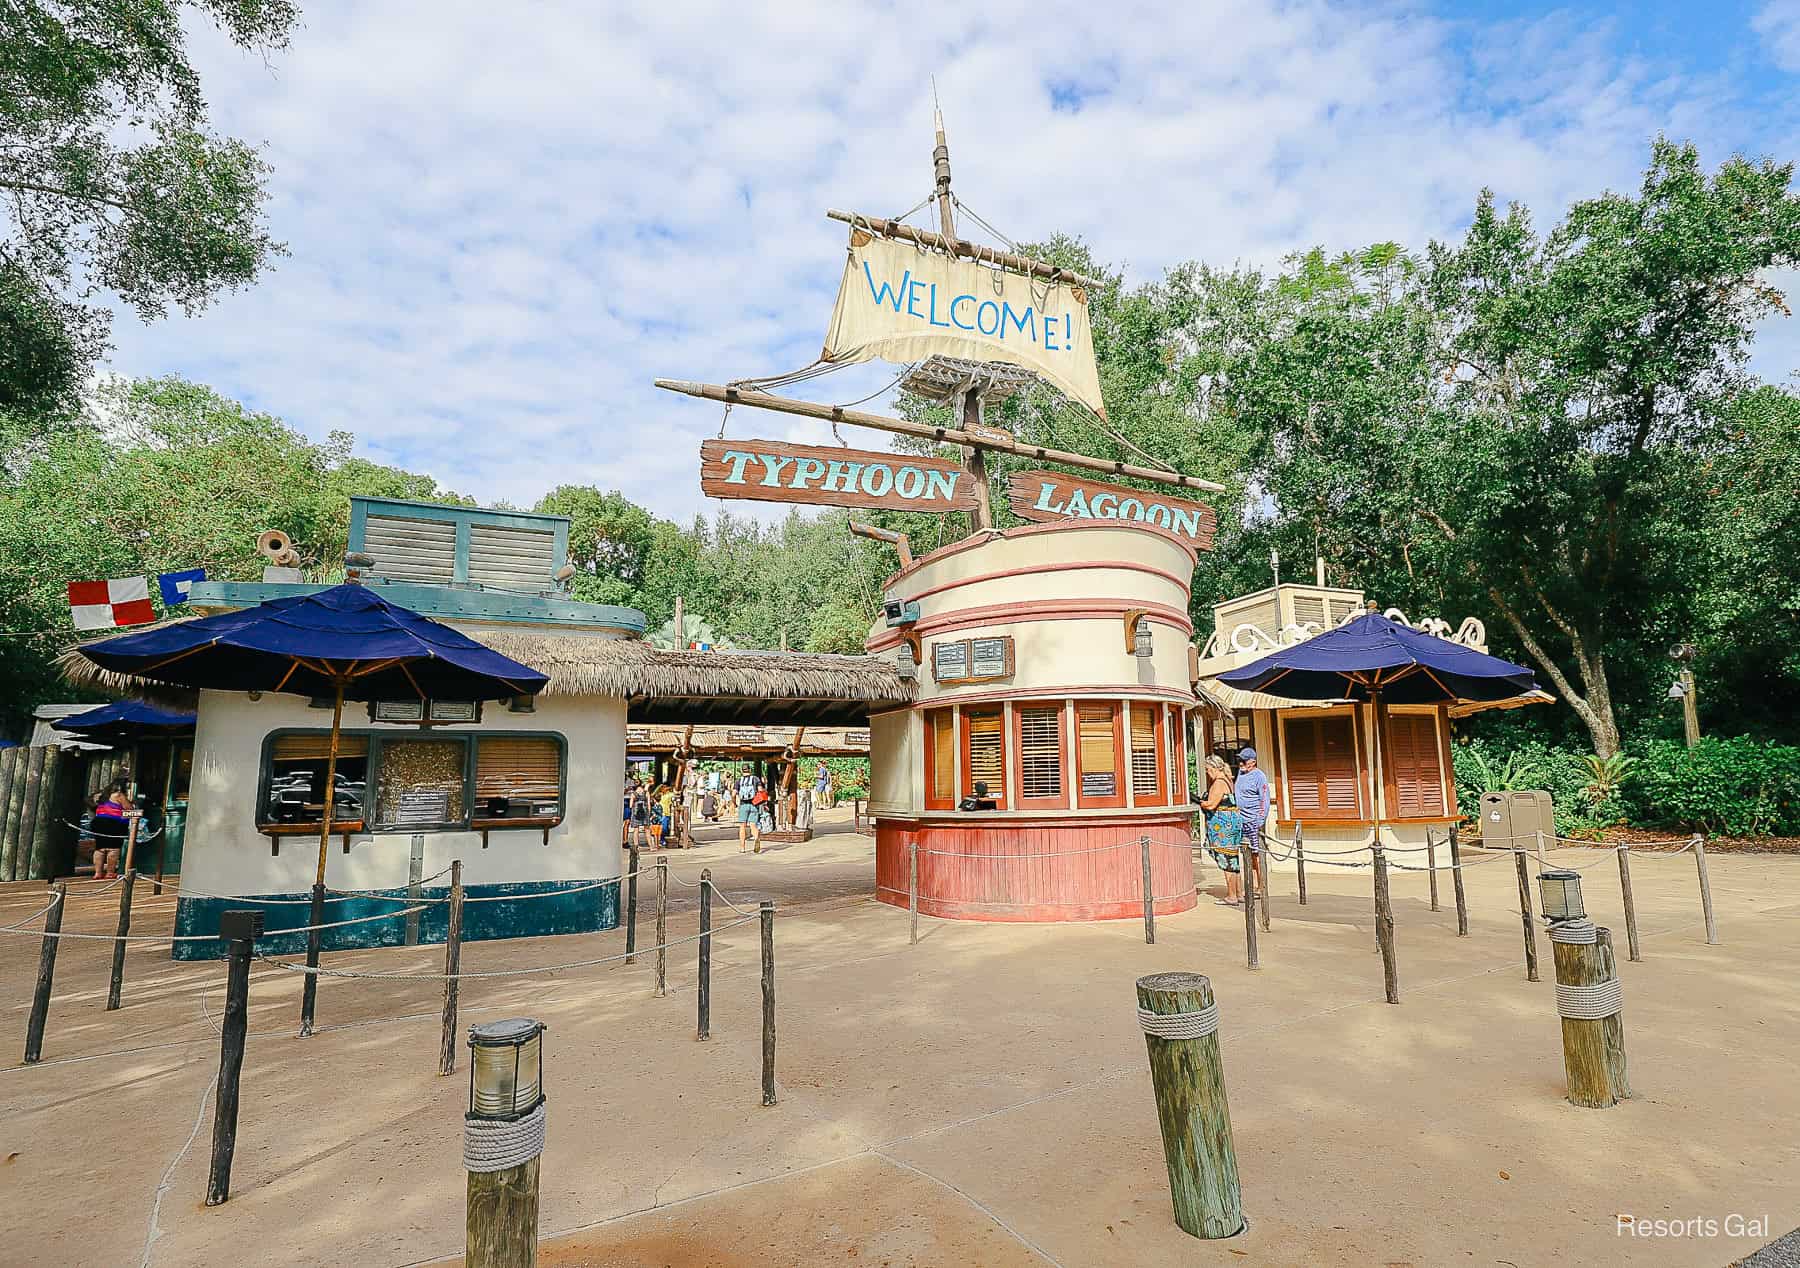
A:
{"x":106,"y":605}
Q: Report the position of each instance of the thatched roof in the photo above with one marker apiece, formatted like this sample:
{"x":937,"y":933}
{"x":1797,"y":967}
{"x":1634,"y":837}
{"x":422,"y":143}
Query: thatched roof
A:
{"x":723,"y":687}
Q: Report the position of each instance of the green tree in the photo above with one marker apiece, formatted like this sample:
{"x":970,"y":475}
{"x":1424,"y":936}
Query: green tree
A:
{"x":114,"y":182}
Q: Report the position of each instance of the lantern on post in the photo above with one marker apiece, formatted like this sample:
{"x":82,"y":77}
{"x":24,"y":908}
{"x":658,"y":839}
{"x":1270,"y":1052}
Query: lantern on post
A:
{"x":1560,"y":895}
{"x":503,"y":1137}
{"x":505,"y":1069}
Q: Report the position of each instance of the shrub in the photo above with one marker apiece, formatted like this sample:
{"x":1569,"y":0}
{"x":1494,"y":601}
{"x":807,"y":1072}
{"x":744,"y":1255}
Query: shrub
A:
{"x":1483,"y":766}
{"x":1741,"y":787}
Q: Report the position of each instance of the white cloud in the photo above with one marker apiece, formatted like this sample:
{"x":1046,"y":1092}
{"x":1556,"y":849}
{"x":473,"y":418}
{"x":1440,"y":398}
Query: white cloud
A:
{"x":1778,"y":22}
{"x":506,"y":220}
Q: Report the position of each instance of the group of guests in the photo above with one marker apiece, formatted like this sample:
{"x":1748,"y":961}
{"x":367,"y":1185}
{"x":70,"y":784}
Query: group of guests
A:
{"x":649,"y":811}
{"x":1236,"y":810}
{"x":108,"y":828}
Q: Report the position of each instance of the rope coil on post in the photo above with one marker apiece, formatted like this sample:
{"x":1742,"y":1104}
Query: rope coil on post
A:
{"x":1589,"y":1003}
{"x":1575,"y":932}
{"x":1180,"y":1025}
{"x":490,"y":1145}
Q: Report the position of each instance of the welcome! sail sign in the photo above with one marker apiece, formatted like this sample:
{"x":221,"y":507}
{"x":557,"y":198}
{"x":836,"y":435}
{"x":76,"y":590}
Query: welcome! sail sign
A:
{"x":903,"y":305}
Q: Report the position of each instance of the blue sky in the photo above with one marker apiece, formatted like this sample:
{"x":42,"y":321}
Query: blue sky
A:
{"x":504,"y":221}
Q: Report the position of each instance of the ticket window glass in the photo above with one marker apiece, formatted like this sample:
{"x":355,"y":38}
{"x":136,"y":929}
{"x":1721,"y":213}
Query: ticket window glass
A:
{"x":294,"y":787}
{"x":1042,"y":746}
{"x":984,"y":756}
{"x":940,"y":759}
{"x":1099,"y":756}
{"x":1148,"y":783}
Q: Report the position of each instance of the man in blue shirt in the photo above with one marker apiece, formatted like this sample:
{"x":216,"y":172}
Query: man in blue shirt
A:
{"x":1253,"y":796}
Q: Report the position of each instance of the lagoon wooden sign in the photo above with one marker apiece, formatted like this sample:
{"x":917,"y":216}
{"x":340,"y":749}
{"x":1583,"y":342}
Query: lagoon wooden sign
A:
{"x":770,"y":471}
{"x":1049,"y":495}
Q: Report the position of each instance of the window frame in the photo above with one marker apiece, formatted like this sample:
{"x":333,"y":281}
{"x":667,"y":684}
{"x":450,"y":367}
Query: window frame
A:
{"x":1061,"y":800}
{"x":1159,"y":797}
{"x":1120,"y":774}
{"x":1325,"y":814}
{"x":965,"y":772}
{"x":1177,"y":736}
{"x":1390,"y":775}
{"x":931,"y":800}
{"x":377,"y":741}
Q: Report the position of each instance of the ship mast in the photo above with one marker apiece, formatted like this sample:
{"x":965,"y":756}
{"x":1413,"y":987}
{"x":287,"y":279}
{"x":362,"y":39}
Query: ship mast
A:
{"x":974,"y":458}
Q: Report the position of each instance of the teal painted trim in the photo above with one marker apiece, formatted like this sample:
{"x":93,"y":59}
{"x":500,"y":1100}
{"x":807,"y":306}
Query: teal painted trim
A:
{"x":585,"y":911}
{"x":459,"y":566}
{"x":361,"y":506}
{"x":444,"y":603}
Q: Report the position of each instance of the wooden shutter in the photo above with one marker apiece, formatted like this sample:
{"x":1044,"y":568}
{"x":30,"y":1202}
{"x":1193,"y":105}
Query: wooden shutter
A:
{"x":1097,"y":754}
{"x":1177,"y":756}
{"x":1146,"y":780}
{"x":1321,"y":768}
{"x":1306,"y":791}
{"x":316,"y":748}
{"x":1417,"y":776}
{"x":1040,"y":753}
{"x":522,"y":768}
{"x":987,"y":752}
{"x":940,"y":774}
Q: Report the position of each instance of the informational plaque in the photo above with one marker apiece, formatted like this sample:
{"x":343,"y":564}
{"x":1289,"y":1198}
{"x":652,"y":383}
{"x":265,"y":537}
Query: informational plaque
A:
{"x":1100,"y":784}
{"x":990,"y":657}
{"x":422,"y":806}
{"x":950,"y":661}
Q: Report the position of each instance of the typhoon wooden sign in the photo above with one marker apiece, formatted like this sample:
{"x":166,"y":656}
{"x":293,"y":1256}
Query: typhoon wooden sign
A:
{"x":1049,"y":495}
{"x":820,"y":475}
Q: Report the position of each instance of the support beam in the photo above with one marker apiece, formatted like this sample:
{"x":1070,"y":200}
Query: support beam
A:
{"x":990,"y":440}
{"x":968,"y":250}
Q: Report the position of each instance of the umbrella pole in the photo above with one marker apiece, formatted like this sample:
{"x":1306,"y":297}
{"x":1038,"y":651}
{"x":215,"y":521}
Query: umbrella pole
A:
{"x":309,"y":989}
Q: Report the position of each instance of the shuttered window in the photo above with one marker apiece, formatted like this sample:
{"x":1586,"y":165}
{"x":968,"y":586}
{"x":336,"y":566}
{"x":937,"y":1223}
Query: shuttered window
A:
{"x":1177,"y":756}
{"x":1040,"y":754}
{"x":1146,"y":778}
{"x":1321,"y":768}
{"x":1097,"y":754}
{"x":984,"y":732}
{"x":1416,"y":772}
{"x":518,"y":775}
{"x":940,"y":759}
{"x":294,"y":783}
{"x":316,"y":748}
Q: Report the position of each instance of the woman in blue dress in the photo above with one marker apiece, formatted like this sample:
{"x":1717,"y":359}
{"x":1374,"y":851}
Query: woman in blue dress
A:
{"x":1224,"y":828}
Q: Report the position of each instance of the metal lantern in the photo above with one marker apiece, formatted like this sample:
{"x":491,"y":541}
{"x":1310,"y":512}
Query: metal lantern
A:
{"x":1560,"y":893}
{"x":1141,"y":646}
{"x":505,"y":1069}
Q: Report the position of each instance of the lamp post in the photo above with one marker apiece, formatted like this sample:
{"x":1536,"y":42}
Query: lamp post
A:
{"x":1559,"y":893}
{"x":503,"y":1137}
{"x":1682,"y":689}
{"x":1588,"y":998}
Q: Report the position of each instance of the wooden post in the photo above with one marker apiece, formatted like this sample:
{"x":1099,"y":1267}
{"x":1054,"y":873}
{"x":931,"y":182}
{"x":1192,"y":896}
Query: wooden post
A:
{"x":912,"y":888}
{"x":241,"y":928}
{"x":1531,"y":950}
{"x":415,"y":875}
{"x":1248,"y":867}
{"x":631,"y":909}
{"x":1188,"y":1080}
{"x":309,"y":986}
{"x":662,"y":925}
{"x":500,"y":1215}
{"x":705,"y":1027}
{"x":9,"y":765}
{"x":1594,"y":1037}
{"x":1149,"y":896}
{"x":1384,"y":928}
{"x":1431,"y":865}
{"x":452,"y":966}
{"x":41,"y":833}
{"x":40,"y":999}
{"x":767,"y":914}
{"x":1712,"y":929}
{"x":25,"y":859}
{"x":116,"y":984}
{"x":1300,"y":861}
{"x":1631,"y":934}
{"x":1260,"y":859}
{"x":1456,"y":884}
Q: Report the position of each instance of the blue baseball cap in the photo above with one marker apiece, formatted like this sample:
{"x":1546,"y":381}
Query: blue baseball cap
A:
{"x":1246,"y":755}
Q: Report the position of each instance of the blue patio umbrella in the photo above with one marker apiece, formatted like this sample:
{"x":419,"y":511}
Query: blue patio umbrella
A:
{"x":125,"y":720}
{"x":1382,"y":661}
{"x":346,"y":642}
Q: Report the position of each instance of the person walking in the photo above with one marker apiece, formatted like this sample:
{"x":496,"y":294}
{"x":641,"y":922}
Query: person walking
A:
{"x":749,"y":808}
{"x":1224,"y":828}
{"x":1253,"y":797}
{"x":640,"y":815}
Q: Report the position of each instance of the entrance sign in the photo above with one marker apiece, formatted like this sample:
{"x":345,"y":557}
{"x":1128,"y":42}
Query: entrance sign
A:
{"x":771,"y":471}
{"x":903,"y":305}
{"x":1048,"y":495}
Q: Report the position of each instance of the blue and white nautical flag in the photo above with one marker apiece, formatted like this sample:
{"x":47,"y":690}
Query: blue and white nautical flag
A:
{"x":176,"y":585}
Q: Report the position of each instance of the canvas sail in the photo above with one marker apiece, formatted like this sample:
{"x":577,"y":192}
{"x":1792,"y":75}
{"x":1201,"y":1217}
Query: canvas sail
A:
{"x":902,"y":304}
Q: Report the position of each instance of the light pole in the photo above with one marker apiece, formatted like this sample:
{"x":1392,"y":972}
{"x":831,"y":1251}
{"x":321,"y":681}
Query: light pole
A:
{"x":1682,"y":689}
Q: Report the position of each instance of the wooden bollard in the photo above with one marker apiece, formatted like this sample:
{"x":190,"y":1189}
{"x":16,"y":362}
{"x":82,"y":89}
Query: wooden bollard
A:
{"x":115,"y":985}
{"x":1149,"y":896}
{"x":662,"y":925}
{"x":1531,"y":951}
{"x":241,"y":929}
{"x":1588,"y":1001}
{"x":452,"y":966}
{"x":309,"y":987}
{"x":631,"y":909}
{"x":1247,"y":865}
{"x":767,"y":915}
{"x":1300,"y":861}
{"x":503,"y":1146}
{"x":1181,"y":1031}
{"x":705,"y":992}
{"x":1456,"y":885}
{"x":1623,"y":850}
{"x":1384,"y":928}
{"x":1712,"y":929}
{"x":912,"y":889}
{"x":1260,"y":859}
{"x":40,"y":999}
{"x":1431,"y":865}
